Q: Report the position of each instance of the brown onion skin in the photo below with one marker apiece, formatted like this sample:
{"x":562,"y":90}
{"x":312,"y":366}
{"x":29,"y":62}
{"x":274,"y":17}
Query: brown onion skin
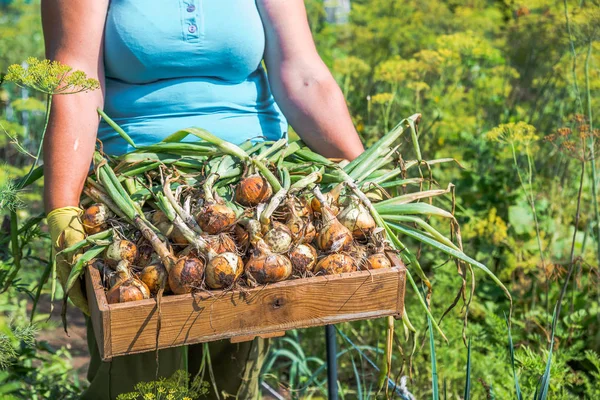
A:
{"x":358,"y":220}
{"x":127,"y":251}
{"x":241,"y":237}
{"x":299,"y":207}
{"x":302,"y":229}
{"x":268,"y":268}
{"x":334,"y":236}
{"x":253,"y":190}
{"x":127,"y":290}
{"x":186,"y":275}
{"x":278,"y":238}
{"x":221,"y":243}
{"x":378,"y":261}
{"x":316,"y":204}
{"x":215,"y":218}
{"x":303,"y":258}
{"x":221,"y":272}
{"x":152,"y":275}
{"x":337,"y":263}
{"x":144,"y":257}
{"x":94,"y":218}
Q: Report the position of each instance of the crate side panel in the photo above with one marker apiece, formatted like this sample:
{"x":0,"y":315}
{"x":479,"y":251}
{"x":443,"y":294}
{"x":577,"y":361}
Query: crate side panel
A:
{"x":99,"y":312}
{"x":277,"y":307}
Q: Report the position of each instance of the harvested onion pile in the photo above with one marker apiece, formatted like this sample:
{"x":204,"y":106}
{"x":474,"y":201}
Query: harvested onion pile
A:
{"x":178,"y":217}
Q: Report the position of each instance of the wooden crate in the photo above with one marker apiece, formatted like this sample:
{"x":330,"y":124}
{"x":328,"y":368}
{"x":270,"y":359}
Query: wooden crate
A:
{"x":267,"y":311}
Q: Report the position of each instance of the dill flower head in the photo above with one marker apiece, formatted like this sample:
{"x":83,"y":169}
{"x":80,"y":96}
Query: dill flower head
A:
{"x":519,"y":133}
{"x":50,"y":77}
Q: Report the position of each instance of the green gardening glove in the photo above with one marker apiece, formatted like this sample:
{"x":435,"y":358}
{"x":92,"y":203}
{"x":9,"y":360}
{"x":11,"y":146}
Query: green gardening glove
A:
{"x":66,"y":230}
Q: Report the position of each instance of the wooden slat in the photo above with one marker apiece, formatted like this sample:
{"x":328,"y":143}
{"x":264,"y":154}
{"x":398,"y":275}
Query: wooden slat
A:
{"x":204,"y":317}
{"x":396,"y":261}
{"x":239,"y":339}
{"x":100,"y":312}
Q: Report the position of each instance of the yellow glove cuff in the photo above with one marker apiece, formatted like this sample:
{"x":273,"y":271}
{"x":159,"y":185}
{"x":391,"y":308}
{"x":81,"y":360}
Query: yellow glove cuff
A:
{"x":65,"y":219}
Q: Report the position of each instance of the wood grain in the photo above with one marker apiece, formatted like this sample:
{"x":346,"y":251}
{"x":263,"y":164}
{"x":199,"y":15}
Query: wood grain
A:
{"x":204,"y":317}
{"x":99,"y":312}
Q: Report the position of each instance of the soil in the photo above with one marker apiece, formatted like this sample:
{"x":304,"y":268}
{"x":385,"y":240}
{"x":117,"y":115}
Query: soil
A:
{"x":56,"y":337}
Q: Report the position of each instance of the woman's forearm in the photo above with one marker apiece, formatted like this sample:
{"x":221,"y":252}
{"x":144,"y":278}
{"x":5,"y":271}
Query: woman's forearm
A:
{"x":68,"y":147}
{"x":301,"y":83}
{"x":315,"y":107}
{"x":73,"y":33}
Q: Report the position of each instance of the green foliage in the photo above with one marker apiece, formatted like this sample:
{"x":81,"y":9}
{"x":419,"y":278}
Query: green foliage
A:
{"x":50,"y":77}
{"x":507,"y":89}
{"x":177,"y":387}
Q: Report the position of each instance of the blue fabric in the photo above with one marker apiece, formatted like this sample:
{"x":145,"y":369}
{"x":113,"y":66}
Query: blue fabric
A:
{"x":181,"y":63}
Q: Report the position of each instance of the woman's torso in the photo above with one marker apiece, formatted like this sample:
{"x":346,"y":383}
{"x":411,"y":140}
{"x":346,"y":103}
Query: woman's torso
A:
{"x":175,"y":64}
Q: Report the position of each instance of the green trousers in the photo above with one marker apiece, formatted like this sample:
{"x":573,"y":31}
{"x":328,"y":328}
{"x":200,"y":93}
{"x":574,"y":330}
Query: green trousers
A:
{"x":236,"y":368}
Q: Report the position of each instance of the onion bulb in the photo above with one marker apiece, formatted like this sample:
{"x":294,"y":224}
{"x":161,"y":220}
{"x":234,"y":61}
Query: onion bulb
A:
{"x":331,"y":200}
{"x":145,"y":253}
{"x":223,"y":270}
{"x":214,"y":218}
{"x":152,"y":275}
{"x":95,"y":218}
{"x":299,"y":206}
{"x":162,"y":223}
{"x":303,"y":258}
{"x":357,"y":219}
{"x":333,"y":236}
{"x":131,"y":289}
{"x":378,"y":260}
{"x":120,"y":250}
{"x":253,"y":190}
{"x":278,"y":238}
{"x":337,"y":263}
{"x":221,"y":243}
{"x":186,"y":275}
{"x":241,"y":237}
{"x":264,"y":266}
{"x":302,"y":229}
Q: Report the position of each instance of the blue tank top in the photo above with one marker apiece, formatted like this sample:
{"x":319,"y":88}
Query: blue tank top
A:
{"x":175,"y":64}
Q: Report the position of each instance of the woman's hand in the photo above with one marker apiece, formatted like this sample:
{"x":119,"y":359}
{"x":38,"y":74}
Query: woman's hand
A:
{"x":302,"y":85}
{"x":65,"y":231}
{"x":73,"y":32}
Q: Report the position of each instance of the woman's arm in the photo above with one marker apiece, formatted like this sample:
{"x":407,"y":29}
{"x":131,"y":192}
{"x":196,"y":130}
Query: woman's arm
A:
{"x":73,"y":32}
{"x":301,"y":83}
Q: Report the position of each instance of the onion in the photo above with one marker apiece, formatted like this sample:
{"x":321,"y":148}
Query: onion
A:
{"x":186,"y":275}
{"x":221,"y":243}
{"x":253,"y":190}
{"x":95,"y":218}
{"x":357,"y":219}
{"x":120,"y":250}
{"x":145,"y":253}
{"x":333,"y":236}
{"x":278,"y":238}
{"x":331,"y":200}
{"x":264,"y":266}
{"x":131,"y":289}
{"x":303,"y":258}
{"x":359,"y":254}
{"x":223,"y":270}
{"x":303,"y":230}
{"x":299,"y":206}
{"x":241,"y":237}
{"x":160,"y":221}
{"x":214,"y":218}
{"x":337,"y":263}
{"x":152,"y":275}
{"x":378,"y":260}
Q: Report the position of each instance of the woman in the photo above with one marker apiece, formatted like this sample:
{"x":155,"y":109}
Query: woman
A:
{"x":170,"y":65}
